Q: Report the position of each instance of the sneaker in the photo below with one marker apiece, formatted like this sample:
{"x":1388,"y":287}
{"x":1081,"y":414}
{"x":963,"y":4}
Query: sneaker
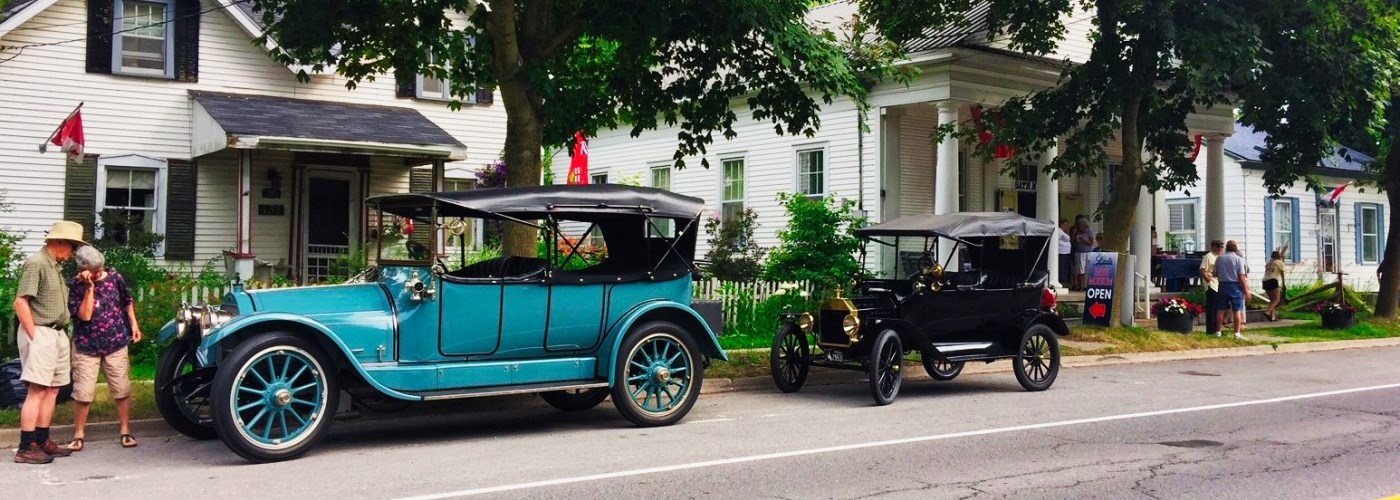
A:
{"x":1240,"y":336}
{"x":53,"y":449}
{"x":1215,"y":334}
{"x":32,"y":455}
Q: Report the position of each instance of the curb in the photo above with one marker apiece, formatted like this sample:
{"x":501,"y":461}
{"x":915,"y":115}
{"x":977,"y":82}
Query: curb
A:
{"x":155,"y":428}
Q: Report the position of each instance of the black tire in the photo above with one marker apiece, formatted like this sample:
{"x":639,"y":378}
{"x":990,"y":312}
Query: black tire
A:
{"x":185,"y":410}
{"x":939,"y":368}
{"x":636,"y":377}
{"x":282,"y":395}
{"x":886,"y":367}
{"x":1038,"y":361}
{"x":790,"y":358}
{"x":575,"y":400}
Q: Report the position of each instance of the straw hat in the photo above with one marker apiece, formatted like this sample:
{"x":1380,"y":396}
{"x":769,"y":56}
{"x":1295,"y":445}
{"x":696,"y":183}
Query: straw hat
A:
{"x":66,"y":230}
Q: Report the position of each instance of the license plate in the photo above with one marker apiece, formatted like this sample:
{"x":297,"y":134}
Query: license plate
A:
{"x":836,"y":356}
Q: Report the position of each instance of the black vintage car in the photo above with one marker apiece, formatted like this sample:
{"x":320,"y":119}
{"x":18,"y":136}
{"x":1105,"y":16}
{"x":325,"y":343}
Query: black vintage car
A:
{"x":996,"y":307}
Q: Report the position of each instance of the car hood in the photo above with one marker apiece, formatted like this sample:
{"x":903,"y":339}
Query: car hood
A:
{"x":318,"y":300}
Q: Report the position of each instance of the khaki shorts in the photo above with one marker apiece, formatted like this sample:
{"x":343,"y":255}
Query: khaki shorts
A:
{"x":45,"y":360}
{"x":116,"y":365}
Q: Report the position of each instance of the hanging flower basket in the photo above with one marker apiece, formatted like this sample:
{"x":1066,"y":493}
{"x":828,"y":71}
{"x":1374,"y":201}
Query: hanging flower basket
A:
{"x":1337,"y":315}
{"x":1176,"y":314}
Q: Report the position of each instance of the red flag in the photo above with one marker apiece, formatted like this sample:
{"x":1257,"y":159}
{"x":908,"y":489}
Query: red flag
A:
{"x":69,"y":136}
{"x":578,"y":165}
{"x":1336,"y":193}
{"x":1196,"y":149}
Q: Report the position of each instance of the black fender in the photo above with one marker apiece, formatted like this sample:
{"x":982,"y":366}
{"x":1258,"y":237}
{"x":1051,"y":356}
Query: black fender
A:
{"x":908,"y":335}
{"x":1035,"y":316}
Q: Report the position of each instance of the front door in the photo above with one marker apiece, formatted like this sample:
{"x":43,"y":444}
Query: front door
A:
{"x":331,"y":222}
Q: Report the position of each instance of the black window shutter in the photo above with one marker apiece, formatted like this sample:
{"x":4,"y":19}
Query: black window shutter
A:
{"x":99,"y":36}
{"x":407,"y":83}
{"x":80,"y":193}
{"x":180,"y":211}
{"x":186,"y":30}
{"x":485,"y":95}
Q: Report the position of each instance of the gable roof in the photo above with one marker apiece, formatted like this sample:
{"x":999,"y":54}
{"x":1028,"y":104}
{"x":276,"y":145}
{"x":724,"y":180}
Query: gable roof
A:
{"x":1247,"y":146}
{"x":17,"y":12}
{"x":970,"y":30}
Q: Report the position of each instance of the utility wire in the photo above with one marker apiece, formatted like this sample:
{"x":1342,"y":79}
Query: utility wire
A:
{"x":19,"y":49}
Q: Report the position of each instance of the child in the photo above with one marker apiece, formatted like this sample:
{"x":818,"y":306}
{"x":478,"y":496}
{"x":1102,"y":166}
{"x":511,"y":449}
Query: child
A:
{"x":1098,"y":242}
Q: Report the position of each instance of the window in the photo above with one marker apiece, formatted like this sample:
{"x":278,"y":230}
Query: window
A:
{"x":661,"y":179}
{"x":143,"y":44}
{"x":1281,"y":227}
{"x":1183,"y":225}
{"x":811,"y":173}
{"x":732,"y":198}
{"x":130,"y":198}
{"x":598,"y":178}
{"x":1370,"y":236}
{"x":439,"y":89}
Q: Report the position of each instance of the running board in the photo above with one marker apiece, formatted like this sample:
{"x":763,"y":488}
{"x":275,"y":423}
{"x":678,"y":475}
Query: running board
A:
{"x":479,"y":392}
{"x":961,"y":346}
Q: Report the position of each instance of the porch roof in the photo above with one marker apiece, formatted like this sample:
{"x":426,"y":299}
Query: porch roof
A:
{"x":247,"y":121}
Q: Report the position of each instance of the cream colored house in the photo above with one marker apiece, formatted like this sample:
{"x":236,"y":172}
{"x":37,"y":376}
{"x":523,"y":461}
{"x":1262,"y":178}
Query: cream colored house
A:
{"x":199,"y":135}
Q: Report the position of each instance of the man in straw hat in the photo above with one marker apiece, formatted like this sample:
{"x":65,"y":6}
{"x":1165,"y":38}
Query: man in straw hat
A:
{"x":41,"y":303}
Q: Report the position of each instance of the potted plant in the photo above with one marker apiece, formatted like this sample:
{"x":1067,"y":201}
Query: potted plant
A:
{"x":1175,"y":314}
{"x":1336,"y":315}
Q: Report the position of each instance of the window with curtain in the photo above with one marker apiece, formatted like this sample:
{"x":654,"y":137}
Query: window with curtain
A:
{"x":732,"y":199}
{"x":131,"y":202}
{"x":1282,"y":226}
{"x":1370,"y":232}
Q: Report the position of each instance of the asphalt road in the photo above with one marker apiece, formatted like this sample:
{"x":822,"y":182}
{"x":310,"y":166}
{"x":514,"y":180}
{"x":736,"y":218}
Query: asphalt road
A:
{"x":1316,"y":425}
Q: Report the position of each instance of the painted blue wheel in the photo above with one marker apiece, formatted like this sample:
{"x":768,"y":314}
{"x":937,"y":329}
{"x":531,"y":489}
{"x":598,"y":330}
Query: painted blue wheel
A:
{"x":659,"y":374}
{"x":274,"y":396}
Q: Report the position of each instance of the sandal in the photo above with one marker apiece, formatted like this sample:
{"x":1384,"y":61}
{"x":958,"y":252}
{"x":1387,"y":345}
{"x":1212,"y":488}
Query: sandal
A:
{"x":128,"y":441}
{"x":76,"y":444}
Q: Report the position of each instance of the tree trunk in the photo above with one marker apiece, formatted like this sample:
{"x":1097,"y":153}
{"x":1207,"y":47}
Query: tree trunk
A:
{"x":1390,"y":263}
{"x":1120,"y":212}
{"x":524,"y":137}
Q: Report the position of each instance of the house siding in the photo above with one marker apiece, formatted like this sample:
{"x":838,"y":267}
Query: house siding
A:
{"x":152,"y":117}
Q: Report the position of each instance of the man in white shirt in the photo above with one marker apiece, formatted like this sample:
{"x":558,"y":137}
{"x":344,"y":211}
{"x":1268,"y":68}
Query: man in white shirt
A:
{"x":1212,"y":286}
{"x":1062,"y":237}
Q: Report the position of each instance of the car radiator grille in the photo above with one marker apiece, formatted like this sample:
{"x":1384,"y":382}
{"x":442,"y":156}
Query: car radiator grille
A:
{"x":830,"y":324}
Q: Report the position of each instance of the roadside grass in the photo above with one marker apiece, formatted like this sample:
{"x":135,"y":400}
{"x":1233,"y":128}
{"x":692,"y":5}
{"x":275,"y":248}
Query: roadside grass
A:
{"x":103,"y":409}
{"x":1136,"y":339}
{"x":747,"y":340}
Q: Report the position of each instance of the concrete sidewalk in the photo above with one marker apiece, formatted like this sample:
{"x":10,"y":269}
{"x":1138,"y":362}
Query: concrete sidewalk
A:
{"x":156,"y":428}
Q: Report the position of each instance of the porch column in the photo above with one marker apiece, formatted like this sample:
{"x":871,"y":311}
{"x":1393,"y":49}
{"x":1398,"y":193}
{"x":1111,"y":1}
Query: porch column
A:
{"x":1047,"y":205}
{"x":1215,"y":189}
{"x":243,"y":241}
{"x":945,"y":177}
{"x":1142,"y":235}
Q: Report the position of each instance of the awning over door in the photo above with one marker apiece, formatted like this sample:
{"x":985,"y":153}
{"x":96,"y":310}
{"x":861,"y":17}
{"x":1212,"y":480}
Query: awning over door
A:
{"x":246,"y":121}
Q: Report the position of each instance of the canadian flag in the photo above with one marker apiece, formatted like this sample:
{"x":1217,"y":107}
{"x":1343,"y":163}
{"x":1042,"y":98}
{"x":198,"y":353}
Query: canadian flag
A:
{"x":1336,"y":194}
{"x":578,"y":165}
{"x":69,"y":136}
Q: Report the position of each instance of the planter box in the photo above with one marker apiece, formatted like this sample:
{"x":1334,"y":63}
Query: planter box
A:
{"x":1175,"y":322}
{"x":1338,"y":320}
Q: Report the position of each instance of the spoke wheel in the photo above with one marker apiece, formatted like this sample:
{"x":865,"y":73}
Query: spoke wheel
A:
{"x":886,"y":367}
{"x":575,"y":399}
{"x":185,"y":405}
{"x":939,"y":368}
{"x":1039,"y":360}
{"x":790,"y":358}
{"x":273,"y":397}
{"x":658,"y":375}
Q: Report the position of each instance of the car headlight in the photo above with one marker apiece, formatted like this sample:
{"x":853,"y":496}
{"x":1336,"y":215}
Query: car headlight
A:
{"x":851,"y":324}
{"x":804,"y":321}
{"x":211,"y":318}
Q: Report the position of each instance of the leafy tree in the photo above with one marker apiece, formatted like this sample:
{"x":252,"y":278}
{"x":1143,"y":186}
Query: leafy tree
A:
{"x":566,"y":65}
{"x":1330,"y":77}
{"x":733,"y":254}
{"x":819,"y":244}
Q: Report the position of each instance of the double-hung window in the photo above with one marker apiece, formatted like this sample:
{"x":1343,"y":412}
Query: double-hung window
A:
{"x":1281,"y":227}
{"x":1370,"y":234}
{"x":732,"y":198}
{"x":1183,"y":228}
{"x":131,"y":198}
{"x":661,"y":179}
{"x":601,"y":178}
{"x":143,"y":41}
{"x":811,"y":173}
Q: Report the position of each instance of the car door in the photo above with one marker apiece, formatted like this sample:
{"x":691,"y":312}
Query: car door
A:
{"x":576,"y":313}
{"x":470,"y":317}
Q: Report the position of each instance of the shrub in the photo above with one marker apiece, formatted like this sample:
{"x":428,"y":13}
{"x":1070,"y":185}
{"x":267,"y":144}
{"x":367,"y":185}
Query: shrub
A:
{"x":819,"y":245}
{"x":750,"y":322}
{"x":733,"y":254}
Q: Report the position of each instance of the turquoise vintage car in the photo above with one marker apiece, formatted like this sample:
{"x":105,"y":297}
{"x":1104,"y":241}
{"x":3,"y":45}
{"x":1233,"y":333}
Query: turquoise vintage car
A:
{"x":266,"y":370}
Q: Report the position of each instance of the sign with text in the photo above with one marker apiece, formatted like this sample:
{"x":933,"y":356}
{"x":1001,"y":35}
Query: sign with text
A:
{"x":1098,"y":297}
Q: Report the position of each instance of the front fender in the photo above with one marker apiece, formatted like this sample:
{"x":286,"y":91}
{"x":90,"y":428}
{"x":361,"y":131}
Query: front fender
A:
{"x":167,"y":332}
{"x":675,"y":312}
{"x":237,"y":325}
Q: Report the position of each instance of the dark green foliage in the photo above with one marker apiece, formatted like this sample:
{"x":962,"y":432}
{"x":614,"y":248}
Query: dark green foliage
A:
{"x":750,"y":322}
{"x":819,"y":245}
{"x":734,"y":255}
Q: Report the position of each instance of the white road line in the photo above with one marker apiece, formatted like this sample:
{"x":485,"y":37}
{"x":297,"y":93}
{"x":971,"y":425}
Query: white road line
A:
{"x":889,"y":442}
{"x":713,"y":420}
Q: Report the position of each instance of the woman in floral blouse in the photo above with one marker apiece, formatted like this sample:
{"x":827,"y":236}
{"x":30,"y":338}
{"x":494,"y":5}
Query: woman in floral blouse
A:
{"x":104,"y":324}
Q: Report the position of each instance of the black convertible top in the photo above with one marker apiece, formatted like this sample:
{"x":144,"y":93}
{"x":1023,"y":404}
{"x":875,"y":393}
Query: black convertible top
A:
{"x":539,"y":201}
{"x":961,"y":225}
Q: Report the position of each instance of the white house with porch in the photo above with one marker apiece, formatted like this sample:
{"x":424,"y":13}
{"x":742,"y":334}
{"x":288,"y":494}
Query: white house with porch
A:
{"x":1319,"y":237}
{"x":194,"y":132}
{"x":896,"y":168}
